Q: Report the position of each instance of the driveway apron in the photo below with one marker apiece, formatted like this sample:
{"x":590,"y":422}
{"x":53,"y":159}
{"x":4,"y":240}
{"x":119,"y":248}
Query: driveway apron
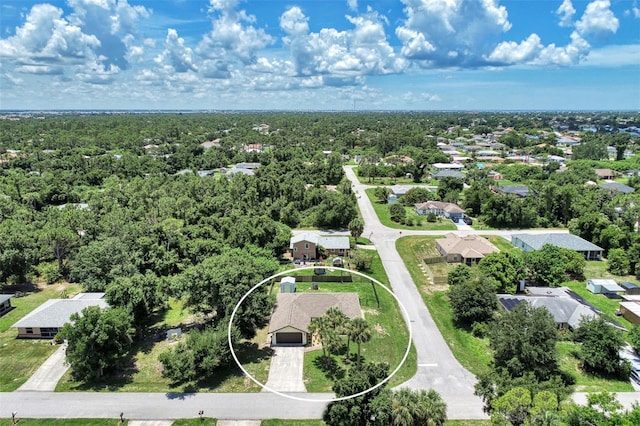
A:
{"x":285,"y":373}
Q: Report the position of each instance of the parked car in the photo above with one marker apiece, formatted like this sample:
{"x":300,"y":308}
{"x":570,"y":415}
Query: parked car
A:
{"x":467,"y":220}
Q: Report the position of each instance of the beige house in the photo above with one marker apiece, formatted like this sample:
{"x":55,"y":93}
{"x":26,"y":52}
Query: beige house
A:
{"x":46,"y":320}
{"x":465,"y":249}
{"x":294,"y":311}
{"x":304,"y":246}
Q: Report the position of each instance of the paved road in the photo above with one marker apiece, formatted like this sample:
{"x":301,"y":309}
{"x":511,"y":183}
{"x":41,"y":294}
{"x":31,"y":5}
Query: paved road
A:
{"x":285,"y":371}
{"x":50,"y":372}
{"x":143,"y":406}
{"x":437,"y":367}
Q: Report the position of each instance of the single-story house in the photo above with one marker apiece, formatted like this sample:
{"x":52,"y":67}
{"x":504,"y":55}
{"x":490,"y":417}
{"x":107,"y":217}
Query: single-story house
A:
{"x":466,"y":249}
{"x":518,"y":190}
{"x":440,"y":209}
{"x":567,"y":312}
{"x":288,"y":285}
{"x":602,"y":285}
{"x":630,"y":288}
{"x":447,"y":166}
{"x":531,"y":242}
{"x":441,"y":174}
{"x":630,"y":311}
{"x":617,"y":187}
{"x":606,"y":174}
{"x":294,"y":311}
{"x":305,"y":245}
{"x":47,"y":319}
{"x":5,"y":303}
{"x":494,"y":175}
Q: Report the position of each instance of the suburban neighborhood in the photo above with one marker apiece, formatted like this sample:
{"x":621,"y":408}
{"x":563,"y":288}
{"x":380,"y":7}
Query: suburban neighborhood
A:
{"x":489,"y":260}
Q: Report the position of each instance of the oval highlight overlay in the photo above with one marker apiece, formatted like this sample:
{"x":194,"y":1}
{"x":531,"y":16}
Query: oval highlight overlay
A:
{"x":289,"y":272}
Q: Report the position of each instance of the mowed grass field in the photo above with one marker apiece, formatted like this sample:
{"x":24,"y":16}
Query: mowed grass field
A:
{"x":390,"y":336}
{"x":20,"y":358}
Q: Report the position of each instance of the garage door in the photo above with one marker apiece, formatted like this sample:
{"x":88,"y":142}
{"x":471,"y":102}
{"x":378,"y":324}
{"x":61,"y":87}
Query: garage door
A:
{"x":289,"y":338}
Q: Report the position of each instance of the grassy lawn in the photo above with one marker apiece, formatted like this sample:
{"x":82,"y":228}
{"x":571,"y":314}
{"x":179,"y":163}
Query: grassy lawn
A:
{"x":587,"y":382}
{"x":145,"y":371}
{"x":281,"y":422}
{"x":600,"y":301}
{"x":474,"y":353}
{"x":389,"y":333}
{"x":64,"y":422}
{"x":382,"y":211}
{"x":206,"y":421}
{"x":20,"y":358}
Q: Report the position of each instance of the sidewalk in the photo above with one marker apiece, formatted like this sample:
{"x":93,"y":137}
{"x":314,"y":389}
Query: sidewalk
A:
{"x":50,"y":372}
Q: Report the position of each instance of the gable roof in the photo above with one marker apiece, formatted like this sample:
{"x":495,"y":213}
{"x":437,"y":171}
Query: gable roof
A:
{"x":604,"y":172}
{"x":468,"y":246}
{"x":57,"y":312}
{"x":564,"y":309}
{"x":298,"y":309}
{"x":568,"y":241}
{"x":330,"y":242}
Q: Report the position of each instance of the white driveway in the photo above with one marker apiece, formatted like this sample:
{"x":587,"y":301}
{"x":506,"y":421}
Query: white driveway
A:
{"x":285,"y":373}
{"x":48,"y":374}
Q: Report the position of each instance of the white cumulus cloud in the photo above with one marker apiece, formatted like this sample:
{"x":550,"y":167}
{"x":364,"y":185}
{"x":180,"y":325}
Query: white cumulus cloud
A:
{"x":451,"y":32}
{"x":294,"y":22}
{"x":565,"y":12}
{"x":176,"y":55}
{"x":598,"y":20}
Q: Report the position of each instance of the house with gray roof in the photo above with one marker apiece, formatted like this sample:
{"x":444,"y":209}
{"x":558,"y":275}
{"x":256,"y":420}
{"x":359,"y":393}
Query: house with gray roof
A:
{"x":441,"y":174}
{"x":567,"y":312}
{"x":305,"y":245}
{"x":531,"y":242}
{"x":47,"y":319}
{"x":441,"y":209}
{"x":5,"y":303}
{"x":293,"y":313}
{"x":617,"y":187}
{"x":518,"y":190}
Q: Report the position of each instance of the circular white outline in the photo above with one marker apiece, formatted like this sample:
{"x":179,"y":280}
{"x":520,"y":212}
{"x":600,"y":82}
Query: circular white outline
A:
{"x":355,"y":395}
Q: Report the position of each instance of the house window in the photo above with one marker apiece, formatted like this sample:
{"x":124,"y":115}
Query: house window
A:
{"x":295,"y":249}
{"x":29,"y":330}
{"x":306,"y":245}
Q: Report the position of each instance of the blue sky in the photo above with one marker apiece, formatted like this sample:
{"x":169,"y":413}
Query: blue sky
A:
{"x":320,"y":54}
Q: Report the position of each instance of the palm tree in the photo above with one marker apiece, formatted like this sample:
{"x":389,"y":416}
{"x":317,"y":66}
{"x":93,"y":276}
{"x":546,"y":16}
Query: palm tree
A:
{"x":359,"y":332}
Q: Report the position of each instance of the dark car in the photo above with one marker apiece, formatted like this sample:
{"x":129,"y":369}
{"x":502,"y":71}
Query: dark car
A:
{"x":467,"y":220}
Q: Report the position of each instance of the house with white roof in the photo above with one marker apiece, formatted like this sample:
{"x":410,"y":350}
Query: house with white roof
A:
{"x":46,"y":320}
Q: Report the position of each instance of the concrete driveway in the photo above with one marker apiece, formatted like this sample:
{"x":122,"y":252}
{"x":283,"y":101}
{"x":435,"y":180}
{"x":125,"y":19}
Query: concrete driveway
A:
{"x":48,"y":374}
{"x":285,"y":373}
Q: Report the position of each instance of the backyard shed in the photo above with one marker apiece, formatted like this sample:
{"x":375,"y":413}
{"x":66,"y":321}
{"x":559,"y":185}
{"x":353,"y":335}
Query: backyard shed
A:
{"x":630,"y":288}
{"x":5,"y":303}
{"x":603,"y":285}
{"x":288,"y":285}
{"x":630,"y":311}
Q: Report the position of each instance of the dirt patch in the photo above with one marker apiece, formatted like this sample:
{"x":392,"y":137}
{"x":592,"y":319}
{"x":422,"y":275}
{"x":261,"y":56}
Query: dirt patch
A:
{"x":380,"y":330}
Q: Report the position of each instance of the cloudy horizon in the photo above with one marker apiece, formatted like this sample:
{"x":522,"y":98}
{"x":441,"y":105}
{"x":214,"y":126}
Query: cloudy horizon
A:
{"x":320,"y":55}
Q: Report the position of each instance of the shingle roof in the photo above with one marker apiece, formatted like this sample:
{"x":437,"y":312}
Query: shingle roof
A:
{"x":448,"y":173}
{"x":330,"y":242}
{"x":519,"y":190}
{"x":297,"y":309}
{"x":563,"y":309}
{"x":56,"y":312}
{"x":468,"y":246}
{"x":615,"y":186}
{"x":568,"y":241}
{"x":439,"y":205}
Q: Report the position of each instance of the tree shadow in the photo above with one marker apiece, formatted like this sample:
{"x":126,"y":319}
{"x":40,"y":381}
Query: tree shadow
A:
{"x":330,"y":367}
{"x":248,"y":352}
